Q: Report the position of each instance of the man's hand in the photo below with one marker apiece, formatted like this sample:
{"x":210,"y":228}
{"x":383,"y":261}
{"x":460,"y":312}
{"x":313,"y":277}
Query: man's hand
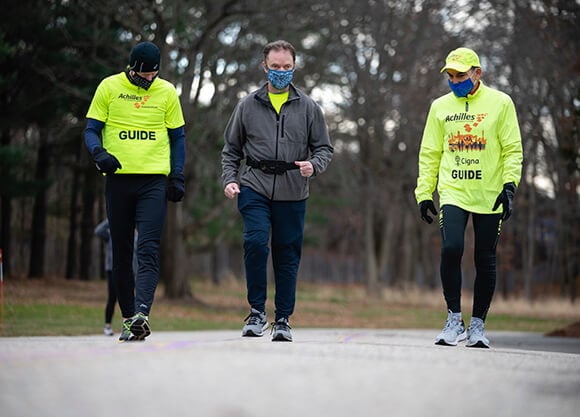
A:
{"x":175,"y":187}
{"x":306,"y":168}
{"x":232,"y":190}
{"x":424,"y":207}
{"x":505,"y":199}
{"x":105,"y":162}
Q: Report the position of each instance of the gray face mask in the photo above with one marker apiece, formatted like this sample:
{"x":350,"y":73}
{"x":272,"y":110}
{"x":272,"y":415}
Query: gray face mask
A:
{"x":139,"y":81}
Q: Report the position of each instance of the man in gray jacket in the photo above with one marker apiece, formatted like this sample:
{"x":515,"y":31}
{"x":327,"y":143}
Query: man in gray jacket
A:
{"x":282,"y":135}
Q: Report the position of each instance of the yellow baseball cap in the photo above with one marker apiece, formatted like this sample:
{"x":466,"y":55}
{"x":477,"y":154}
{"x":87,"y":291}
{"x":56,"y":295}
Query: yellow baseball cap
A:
{"x":461,"y":60}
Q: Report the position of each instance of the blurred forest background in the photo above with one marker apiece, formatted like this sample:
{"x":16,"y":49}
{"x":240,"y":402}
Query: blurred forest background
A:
{"x":374,"y":67}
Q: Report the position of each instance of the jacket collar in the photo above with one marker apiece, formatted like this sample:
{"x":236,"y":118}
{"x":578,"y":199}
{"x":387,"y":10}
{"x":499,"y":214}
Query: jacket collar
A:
{"x":262,"y":93}
{"x":481,"y":87}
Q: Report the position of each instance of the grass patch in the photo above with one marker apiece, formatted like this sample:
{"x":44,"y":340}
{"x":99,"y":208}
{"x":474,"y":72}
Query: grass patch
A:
{"x":54,"y":307}
{"x":525,"y":324}
{"x":51,"y":320}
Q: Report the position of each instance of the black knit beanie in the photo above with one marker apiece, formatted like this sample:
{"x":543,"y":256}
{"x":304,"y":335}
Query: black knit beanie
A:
{"x":145,"y":57}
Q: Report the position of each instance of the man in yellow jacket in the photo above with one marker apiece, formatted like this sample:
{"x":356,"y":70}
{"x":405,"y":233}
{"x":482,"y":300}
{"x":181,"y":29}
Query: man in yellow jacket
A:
{"x":471,"y":151}
{"x":136,"y":136}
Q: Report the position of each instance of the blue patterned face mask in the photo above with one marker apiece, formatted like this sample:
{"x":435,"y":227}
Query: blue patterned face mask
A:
{"x":280,"y":79}
{"x":461,"y":89}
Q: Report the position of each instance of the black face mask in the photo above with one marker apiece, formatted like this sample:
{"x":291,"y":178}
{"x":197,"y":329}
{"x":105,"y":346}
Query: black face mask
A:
{"x":139,"y":81}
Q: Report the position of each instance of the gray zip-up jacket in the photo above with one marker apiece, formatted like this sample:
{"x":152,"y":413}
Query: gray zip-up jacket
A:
{"x":255,"y":130}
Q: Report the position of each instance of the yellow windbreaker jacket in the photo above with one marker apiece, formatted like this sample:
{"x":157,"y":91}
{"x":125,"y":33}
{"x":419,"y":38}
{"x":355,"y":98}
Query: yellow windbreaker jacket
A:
{"x":471,"y":146}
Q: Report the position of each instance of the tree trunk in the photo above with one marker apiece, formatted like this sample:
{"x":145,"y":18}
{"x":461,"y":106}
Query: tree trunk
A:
{"x":6,"y":208}
{"x":570,"y":248}
{"x":370,"y":248}
{"x":531,"y":240}
{"x":560,"y":258}
{"x":172,"y":265}
{"x":220,"y":262}
{"x":409,"y":254}
{"x":71,"y":253}
{"x":38,"y":227}
{"x":388,"y":244}
{"x":87,"y":224}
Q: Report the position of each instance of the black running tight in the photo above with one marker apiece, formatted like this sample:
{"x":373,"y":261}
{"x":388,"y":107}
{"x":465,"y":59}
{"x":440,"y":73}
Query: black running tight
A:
{"x":136,"y":201}
{"x":452,"y":222}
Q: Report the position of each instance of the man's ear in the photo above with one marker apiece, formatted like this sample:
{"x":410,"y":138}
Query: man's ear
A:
{"x":264,"y":67}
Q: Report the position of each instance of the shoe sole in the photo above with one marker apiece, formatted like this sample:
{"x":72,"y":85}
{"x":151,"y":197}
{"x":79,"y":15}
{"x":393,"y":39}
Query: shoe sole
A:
{"x":478,"y":344}
{"x":443,"y":342}
{"x":251,"y":333}
{"x":132,"y":338}
{"x":281,"y":338}
{"x":140,"y":329}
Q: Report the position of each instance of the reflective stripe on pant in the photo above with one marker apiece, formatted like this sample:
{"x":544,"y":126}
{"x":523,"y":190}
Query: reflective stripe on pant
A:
{"x":284,"y":220}
{"x":486,"y":227}
{"x":136,"y":201}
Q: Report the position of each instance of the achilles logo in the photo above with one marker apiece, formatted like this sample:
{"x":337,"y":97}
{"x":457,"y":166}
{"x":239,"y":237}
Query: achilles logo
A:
{"x":460,"y":117}
{"x":138,"y":101}
{"x":132,"y":97}
{"x":136,"y":134}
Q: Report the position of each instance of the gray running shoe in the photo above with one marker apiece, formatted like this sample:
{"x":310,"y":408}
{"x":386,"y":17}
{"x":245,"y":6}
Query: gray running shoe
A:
{"x":475,"y":336}
{"x":453,"y":332}
{"x":107,"y":330}
{"x":255,"y":325}
{"x":135,"y":329}
{"x":281,"y":331}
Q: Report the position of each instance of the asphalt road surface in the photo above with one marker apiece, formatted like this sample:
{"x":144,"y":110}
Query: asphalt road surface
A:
{"x":324,"y":372}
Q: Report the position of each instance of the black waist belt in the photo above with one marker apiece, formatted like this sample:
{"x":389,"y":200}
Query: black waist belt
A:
{"x":271,"y":166}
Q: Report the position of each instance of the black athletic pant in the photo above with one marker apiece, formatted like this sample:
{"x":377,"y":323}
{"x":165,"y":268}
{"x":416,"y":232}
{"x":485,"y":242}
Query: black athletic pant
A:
{"x":136,"y":201}
{"x":452,"y":222}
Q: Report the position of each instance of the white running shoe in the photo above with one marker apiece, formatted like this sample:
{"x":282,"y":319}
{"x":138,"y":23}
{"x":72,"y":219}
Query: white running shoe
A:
{"x":453,"y":332}
{"x":475,"y":336}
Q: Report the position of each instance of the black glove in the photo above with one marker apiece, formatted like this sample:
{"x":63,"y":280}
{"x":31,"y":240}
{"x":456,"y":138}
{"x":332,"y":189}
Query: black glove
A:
{"x":506,"y":199}
{"x":175,"y":187}
{"x":424,"y":206}
{"x":105,"y":162}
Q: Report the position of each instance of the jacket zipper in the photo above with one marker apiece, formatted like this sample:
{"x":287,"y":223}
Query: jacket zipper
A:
{"x":276,"y":151}
{"x":282,"y":126}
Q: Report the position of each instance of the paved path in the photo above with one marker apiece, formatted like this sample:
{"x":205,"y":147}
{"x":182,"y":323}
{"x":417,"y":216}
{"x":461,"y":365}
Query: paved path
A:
{"x":334,"y":373}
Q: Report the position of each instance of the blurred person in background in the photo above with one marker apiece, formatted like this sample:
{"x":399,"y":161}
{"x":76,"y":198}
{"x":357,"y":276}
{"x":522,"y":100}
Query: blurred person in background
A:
{"x":103,"y":232}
